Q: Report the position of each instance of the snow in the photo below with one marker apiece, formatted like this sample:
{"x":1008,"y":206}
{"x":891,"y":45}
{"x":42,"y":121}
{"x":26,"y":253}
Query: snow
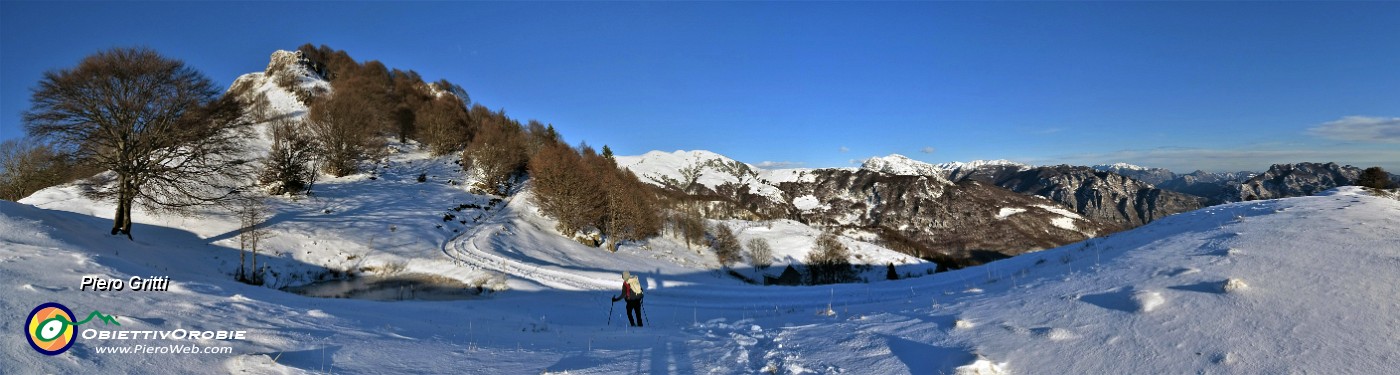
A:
{"x":809,"y":202}
{"x":663,"y":168}
{"x":1006,"y":212}
{"x":1119,"y":166}
{"x":901,"y":165}
{"x":1060,"y":211}
{"x":1063,"y":223}
{"x":1168,"y":297}
{"x":975,"y":164}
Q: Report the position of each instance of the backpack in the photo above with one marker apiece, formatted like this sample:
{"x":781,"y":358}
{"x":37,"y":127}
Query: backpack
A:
{"x":636,"y":288}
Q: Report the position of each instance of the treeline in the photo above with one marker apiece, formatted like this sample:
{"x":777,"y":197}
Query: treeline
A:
{"x":591,"y":198}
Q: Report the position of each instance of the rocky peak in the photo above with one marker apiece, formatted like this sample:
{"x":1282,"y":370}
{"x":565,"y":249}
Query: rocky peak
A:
{"x":1292,"y":180}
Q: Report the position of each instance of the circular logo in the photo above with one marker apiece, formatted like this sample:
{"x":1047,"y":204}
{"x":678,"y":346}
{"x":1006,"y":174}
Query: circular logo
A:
{"x":50,"y":328}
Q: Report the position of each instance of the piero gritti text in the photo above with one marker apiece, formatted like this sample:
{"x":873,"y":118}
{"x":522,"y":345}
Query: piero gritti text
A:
{"x":135,"y":284}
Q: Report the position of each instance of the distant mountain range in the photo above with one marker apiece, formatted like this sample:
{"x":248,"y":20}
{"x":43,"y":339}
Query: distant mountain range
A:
{"x":969,"y":212}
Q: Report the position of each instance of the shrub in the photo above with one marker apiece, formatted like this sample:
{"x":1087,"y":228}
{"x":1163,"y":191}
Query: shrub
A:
{"x":760,"y":253}
{"x":1376,"y":178}
{"x":287,"y":167}
{"x":726,"y":245}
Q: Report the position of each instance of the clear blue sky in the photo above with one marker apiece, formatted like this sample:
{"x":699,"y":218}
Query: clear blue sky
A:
{"x":1181,"y":85}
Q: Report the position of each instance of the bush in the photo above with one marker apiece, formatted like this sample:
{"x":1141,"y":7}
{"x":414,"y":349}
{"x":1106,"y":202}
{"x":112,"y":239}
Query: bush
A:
{"x":1375,"y":178}
{"x":726,"y":245}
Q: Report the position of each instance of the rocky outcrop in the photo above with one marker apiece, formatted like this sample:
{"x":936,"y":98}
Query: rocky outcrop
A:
{"x":1206,"y":184}
{"x":1154,"y":176}
{"x":927,"y":216}
{"x":1292,"y":180}
{"x":1106,"y":197}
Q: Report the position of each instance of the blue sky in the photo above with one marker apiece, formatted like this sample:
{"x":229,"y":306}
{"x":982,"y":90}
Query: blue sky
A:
{"x":1180,"y":85}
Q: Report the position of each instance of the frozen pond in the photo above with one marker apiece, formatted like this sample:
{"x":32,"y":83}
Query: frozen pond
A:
{"x":399,"y":287}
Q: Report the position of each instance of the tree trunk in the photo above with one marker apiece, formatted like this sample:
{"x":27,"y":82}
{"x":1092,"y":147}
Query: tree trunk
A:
{"x":241,"y":255}
{"x":256,"y":276}
{"x":121,"y":224}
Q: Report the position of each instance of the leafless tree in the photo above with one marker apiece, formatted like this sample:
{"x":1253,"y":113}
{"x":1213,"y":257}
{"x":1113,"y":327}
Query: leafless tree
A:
{"x":27,"y":166}
{"x":443,"y":125}
{"x":497,"y":152}
{"x":252,"y":215}
{"x":760,"y":253}
{"x":829,"y":262}
{"x":726,"y":245}
{"x":287,"y":168}
{"x":161,"y":128}
{"x":344,"y":126}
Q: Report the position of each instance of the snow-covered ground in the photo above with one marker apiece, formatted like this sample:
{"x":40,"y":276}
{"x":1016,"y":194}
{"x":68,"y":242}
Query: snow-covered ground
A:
{"x":1302,"y":285}
{"x":1311,"y":289}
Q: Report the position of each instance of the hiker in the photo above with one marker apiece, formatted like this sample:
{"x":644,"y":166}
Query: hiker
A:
{"x":632,"y":292}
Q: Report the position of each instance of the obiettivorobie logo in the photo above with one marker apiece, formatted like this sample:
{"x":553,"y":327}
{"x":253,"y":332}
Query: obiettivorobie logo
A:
{"x":51,"y":329}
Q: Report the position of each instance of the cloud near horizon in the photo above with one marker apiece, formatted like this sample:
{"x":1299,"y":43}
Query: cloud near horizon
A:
{"x":779,"y":164}
{"x":928,"y":149}
{"x":1360,"y":129}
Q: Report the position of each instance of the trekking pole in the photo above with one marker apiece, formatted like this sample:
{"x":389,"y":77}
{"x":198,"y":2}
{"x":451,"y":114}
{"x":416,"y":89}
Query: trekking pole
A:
{"x":644,"y":313}
{"x":610,"y":311}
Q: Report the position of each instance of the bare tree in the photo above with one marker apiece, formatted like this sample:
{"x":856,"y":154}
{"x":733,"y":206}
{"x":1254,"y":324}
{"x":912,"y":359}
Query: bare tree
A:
{"x":760,"y":253}
{"x":162,"y":129}
{"x":497,"y":152}
{"x":443,"y":123}
{"x":287,"y":167}
{"x":726,"y":245}
{"x":566,"y":188}
{"x":690,"y":224}
{"x":344,"y":125}
{"x":829,"y":262}
{"x":252,"y":216}
{"x":26,"y":166}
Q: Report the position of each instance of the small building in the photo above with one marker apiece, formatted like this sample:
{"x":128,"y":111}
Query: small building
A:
{"x":790,"y":276}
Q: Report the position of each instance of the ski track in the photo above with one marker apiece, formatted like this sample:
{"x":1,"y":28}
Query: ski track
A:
{"x":466,"y":250}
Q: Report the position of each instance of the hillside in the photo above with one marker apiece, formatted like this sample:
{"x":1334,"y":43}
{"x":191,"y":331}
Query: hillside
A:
{"x":406,"y":266}
{"x":1156,"y":294}
{"x":905,"y":204}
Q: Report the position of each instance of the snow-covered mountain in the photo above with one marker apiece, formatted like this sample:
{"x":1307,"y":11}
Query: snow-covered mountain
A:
{"x":476,"y":283}
{"x":976,"y":164}
{"x":901,"y":165}
{"x":1292,"y":180}
{"x":1235,"y":288}
{"x":1152,"y":176}
{"x":1206,"y":184}
{"x":905,"y":203}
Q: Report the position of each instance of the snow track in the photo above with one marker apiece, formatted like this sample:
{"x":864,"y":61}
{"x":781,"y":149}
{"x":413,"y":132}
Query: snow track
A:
{"x":467,"y":249}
